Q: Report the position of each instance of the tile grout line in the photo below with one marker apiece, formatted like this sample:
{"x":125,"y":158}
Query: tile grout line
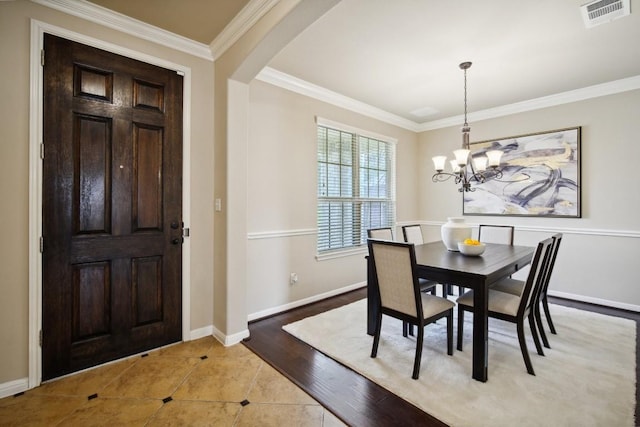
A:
{"x":248,"y":392}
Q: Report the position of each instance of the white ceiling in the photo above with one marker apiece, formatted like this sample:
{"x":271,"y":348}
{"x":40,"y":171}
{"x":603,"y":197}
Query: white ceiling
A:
{"x":402,"y":55}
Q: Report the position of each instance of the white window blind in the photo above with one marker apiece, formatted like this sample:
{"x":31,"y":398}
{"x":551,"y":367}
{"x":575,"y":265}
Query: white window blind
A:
{"x":356,"y":187}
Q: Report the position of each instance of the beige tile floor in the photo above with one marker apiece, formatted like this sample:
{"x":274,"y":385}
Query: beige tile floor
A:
{"x":198,"y":383}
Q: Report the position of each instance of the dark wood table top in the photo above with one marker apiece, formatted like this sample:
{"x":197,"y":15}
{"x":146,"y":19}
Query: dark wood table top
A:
{"x":435,"y":262}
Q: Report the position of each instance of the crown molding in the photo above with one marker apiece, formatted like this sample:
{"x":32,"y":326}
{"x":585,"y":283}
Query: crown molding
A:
{"x":589,"y":92}
{"x":239,"y":25}
{"x":294,"y":84}
{"x":286,"y":81}
{"x":117,"y":21}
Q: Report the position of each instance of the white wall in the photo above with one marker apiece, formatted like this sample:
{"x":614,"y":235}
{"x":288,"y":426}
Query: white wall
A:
{"x":596,"y":259}
{"x":281,"y":214}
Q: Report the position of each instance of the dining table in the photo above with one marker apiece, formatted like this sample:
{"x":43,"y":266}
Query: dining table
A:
{"x":435,"y":262}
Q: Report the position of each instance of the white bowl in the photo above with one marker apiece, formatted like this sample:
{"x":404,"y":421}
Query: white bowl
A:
{"x":471,"y":250}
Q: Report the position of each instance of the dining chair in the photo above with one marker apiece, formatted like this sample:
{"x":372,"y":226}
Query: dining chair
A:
{"x":413,"y":234}
{"x":394,"y":265}
{"x":557,"y":238}
{"x":489,"y":233}
{"x":383,"y":233}
{"x":496,"y":234}
{"x":514,"y":308}
{"x":514,"y":287}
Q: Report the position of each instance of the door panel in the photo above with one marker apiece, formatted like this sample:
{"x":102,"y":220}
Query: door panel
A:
{"x":147,"y":290}
{"x":91,"y":300}
{"x":147,"y":169}
{"x":112,"y":188}
{"x":92,"y":157}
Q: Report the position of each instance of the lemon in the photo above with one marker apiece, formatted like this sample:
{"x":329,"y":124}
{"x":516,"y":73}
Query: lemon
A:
{"x":472,"y":242}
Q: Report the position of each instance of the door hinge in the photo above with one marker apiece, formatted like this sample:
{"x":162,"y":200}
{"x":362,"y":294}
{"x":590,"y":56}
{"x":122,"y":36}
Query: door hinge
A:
{"x":41,"y":244}
{"x":185,"y":232}
{"x":42,"y":151}
{"x":40,"y":337}
{"x":42,"y":57}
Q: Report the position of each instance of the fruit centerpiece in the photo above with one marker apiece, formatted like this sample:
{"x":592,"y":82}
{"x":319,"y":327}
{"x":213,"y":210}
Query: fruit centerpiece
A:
{"x":471,"y":247}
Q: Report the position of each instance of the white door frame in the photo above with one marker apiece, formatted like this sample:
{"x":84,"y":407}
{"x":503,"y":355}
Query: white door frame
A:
{"x":38,"y":29}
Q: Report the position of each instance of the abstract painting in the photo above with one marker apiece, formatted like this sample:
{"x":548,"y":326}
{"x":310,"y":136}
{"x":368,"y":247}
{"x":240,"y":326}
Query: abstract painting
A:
{"x":541,"y":176}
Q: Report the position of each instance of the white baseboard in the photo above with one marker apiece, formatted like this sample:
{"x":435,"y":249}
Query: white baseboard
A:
{"x":228,"y":340}
{"x":598,"y":301}
{"x":305,"y":301}
{"x":195,"y":334}
{"x":12,"y":387}
{"x":225,"y":340}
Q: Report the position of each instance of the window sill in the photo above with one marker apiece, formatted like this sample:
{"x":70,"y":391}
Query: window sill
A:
{"x":342,"y":253}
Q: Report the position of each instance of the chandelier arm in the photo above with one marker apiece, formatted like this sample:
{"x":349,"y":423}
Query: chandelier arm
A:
{"x":443,"y":176}
{"x":478,"y":177}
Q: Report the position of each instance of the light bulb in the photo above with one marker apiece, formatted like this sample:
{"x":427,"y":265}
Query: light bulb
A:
{"x":494,"y":157}
{"x":455,"y":167}
{"x":438,"y":162}
{"x":480,"y":163}
{"x":461,"y":156}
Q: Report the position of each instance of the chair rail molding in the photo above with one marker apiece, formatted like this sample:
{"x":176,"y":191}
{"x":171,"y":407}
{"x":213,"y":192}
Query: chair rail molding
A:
{"x":276,"y":234}
{"x":634,"y":234}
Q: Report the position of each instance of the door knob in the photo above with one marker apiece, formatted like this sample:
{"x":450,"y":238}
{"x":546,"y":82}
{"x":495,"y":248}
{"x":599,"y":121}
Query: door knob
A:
{"x":177,"y":241}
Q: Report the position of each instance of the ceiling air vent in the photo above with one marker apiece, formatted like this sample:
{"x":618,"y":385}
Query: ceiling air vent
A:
{"x":602,"y":11}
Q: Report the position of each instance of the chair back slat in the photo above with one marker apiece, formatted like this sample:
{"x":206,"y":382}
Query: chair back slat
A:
{"x":394,"y":266}
{"x":557,"y":238}
{"x":383,"y":233}
{"x":536,"y":275}
{"x":413,"y":234}
{"x":496,"y":234}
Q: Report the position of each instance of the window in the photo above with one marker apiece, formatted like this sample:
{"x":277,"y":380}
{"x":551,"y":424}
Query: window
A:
{"x":356,"y":186}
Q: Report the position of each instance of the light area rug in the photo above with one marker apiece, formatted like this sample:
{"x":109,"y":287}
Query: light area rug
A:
{"x":587,"y":378}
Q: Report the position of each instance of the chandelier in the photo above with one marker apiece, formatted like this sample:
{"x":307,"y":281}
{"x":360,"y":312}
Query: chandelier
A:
{"x":479,"y":169}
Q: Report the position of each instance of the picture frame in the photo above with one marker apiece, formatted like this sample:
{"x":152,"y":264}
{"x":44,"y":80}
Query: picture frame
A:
{"x":540,"y":176}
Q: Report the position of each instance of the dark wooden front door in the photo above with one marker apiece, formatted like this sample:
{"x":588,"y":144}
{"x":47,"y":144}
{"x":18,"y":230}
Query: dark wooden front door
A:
{"x":112,"y":207}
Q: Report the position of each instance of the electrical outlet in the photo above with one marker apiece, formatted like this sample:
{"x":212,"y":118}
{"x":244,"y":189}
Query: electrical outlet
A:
{"x":293,"y":279}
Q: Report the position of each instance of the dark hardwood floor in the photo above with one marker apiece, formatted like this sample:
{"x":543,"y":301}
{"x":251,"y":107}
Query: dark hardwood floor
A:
{"x":354,"y":399}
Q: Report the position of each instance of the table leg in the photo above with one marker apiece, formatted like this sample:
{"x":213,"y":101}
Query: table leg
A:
{"x":480,"y":332}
